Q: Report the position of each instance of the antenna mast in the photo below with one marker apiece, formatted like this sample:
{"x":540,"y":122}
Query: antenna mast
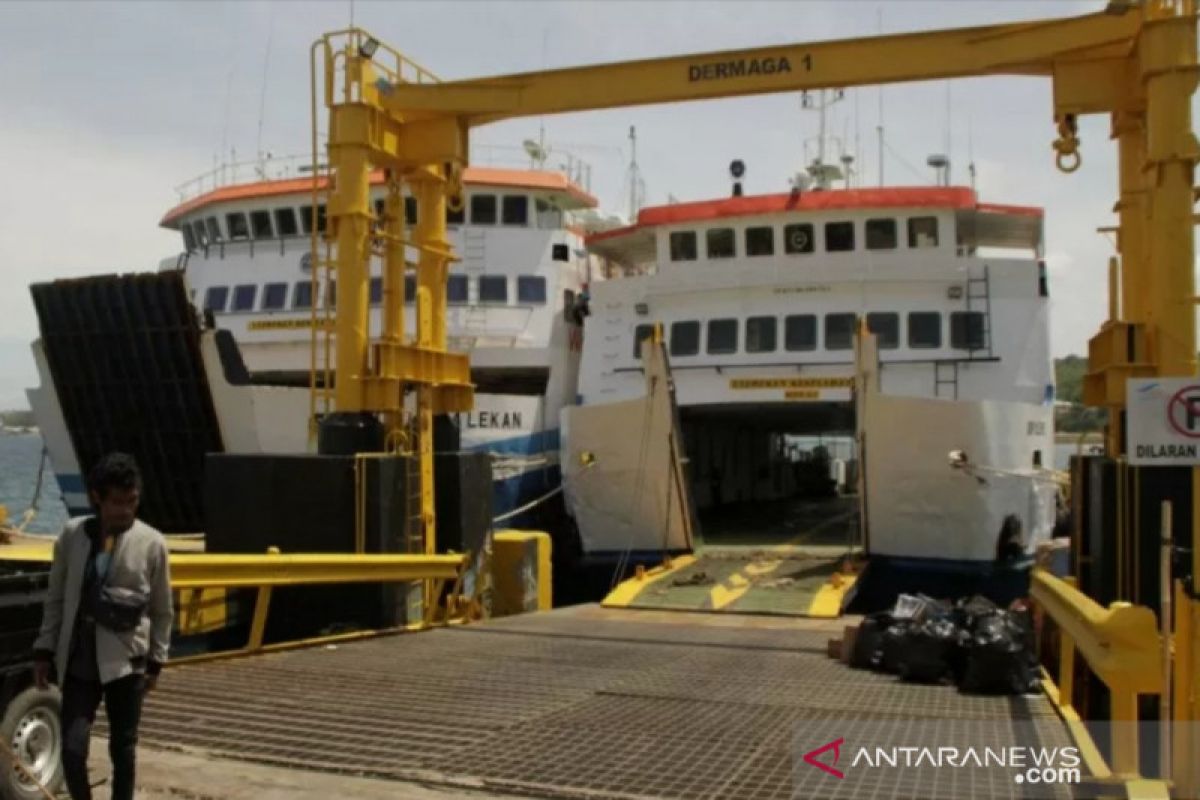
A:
{"x":822,"y":174}
{"x":635,"y":177}
{"x":879,"y":127}
{"x":262,"y":100}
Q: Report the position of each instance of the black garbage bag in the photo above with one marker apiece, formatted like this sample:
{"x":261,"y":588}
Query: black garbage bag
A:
{"x":999,"y":655}
{"x":929,"y":651}
{"x":892,"y":649}
{"x":968,"y":611}
{"x":868,"y":642}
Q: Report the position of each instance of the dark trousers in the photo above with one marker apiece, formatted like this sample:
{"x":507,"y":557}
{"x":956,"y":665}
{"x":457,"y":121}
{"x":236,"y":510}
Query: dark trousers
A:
{"x":123,"y":705}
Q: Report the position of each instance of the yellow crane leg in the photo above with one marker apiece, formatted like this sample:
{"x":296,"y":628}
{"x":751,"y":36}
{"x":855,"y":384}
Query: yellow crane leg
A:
{"x":429,"y":186}
{"x":349,"y":212}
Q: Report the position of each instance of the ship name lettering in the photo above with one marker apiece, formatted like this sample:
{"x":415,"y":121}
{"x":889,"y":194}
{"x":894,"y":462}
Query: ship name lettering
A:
{"x":500,"y":420}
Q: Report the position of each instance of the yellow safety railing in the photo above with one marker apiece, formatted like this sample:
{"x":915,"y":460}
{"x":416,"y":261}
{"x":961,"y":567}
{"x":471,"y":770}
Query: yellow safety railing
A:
{"x":1120,"y":644}
{"x":194,"y":572}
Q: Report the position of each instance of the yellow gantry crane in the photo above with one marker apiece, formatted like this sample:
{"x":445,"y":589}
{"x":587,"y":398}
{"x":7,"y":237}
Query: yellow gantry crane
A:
{"x":1135,"y":62}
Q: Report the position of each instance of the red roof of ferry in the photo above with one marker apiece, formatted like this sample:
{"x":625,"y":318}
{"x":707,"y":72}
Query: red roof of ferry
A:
{"x":958,"y":197}
{"x":482,"y":176}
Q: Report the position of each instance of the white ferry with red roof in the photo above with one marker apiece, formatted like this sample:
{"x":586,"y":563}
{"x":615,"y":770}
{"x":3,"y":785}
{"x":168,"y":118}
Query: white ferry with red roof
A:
{"x":246,"y":264}
{"x":936,"y":439}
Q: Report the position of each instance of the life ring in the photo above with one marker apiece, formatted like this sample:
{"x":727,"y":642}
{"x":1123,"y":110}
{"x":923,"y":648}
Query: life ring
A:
{"x":798,"y":241}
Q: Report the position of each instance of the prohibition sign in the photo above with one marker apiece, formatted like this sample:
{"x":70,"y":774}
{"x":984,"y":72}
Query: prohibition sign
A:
{"x":1187,"y":407}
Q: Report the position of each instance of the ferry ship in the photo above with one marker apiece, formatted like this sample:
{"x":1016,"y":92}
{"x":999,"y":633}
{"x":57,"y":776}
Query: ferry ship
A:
{"x":227,"y":369}
{"x":920,"y":450}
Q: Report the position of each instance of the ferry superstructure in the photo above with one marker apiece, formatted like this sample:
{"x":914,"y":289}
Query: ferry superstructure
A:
{"x":758,"y":300}
{"x":247,"y":266}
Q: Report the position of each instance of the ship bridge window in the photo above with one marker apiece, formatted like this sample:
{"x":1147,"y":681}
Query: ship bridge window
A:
{"x":306,"y":218}
{"x":922,"y":232}
{"x":924,"y":330}
{"x":531,"y":290}
{"x":189,"y":241}
{"x":456,"y":217}
{"x":886,"y":327}
{"x":722,"y":336}
{"x":839,"y":237}
{"x":798,"y":238}
{"x":331,"y":294}
{"x":456,"y":289}
{"x":302,"y":297}
{"x":376,"y":291}
{"x":685,"y":338}
{"x":215,"y":298}
{"x":410,"y":210}
{"x":260,"y":224}
{"x":214,"y":229}
{"x":493,"y":289}
{"x":839,"y":331}
{"x":548,"y":217}
{"x":800,"y":332}
{"x":274,"y":296}
{"x":760,"y":241}
{"x":881,"y":234}
{"x":640,"y":334}
{"x":483,"y":209}
{"x":410,"y":289}
{"x":721,"y":242}
{"x":243,"y":297}
{"x":514,"y":209}
{"x":966,"y":330}
{"x":683,"y":245}
{"x":760,"y":334}
{"x":238,"y":229}
{"x":285,"y":222}
{"x":200,"y":232}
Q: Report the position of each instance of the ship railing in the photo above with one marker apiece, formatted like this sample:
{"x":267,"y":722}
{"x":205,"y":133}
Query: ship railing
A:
{"x":266,"y":168}
{"x":202,"y":582}
{"x":1120,"y":645}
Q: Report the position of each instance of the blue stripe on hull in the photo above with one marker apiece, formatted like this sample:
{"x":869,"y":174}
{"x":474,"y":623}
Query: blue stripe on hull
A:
{"x":526,"y":445}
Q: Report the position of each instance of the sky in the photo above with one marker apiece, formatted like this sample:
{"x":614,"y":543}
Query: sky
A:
{"x":110,"y":106}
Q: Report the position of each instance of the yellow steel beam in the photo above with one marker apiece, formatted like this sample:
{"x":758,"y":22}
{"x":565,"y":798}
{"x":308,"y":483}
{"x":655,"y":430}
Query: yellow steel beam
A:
{"x":194,"y":571}
{"x":417,"y":364}
{"x":1027,"y":48}
{"x":1120,"y":643}
{"x":1167,"y":58}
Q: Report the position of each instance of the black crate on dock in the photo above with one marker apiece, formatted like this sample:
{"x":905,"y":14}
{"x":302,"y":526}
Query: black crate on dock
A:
{"x":463,"y":500}
{"x":306,"y":504}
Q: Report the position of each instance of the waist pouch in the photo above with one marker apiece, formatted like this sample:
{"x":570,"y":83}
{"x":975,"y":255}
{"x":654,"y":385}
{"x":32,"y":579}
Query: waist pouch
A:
{"x":120,"y":609}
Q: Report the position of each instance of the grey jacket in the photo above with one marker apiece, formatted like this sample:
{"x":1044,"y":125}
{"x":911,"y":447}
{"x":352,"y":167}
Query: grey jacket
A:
{"x":139,"y":562}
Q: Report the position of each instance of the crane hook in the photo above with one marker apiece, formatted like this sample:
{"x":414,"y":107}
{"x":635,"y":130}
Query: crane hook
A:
{"x":1067,"y":145}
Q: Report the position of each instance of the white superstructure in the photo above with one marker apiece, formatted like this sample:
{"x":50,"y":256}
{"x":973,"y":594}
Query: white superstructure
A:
{"x":246,"y":260}
{"x":759,"y":300}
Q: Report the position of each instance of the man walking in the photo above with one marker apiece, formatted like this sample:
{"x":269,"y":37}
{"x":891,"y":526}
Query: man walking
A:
{"x":106,"y":624}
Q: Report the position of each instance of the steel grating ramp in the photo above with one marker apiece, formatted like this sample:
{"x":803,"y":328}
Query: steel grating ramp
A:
{"x":581,"y":702}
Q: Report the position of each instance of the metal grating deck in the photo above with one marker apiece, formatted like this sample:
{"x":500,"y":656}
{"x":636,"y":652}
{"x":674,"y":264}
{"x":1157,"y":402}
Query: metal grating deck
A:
{"x":579,"y":702}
